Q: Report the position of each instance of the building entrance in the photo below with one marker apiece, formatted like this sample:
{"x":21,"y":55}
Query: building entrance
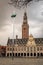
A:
{"x":27,"y":54}
{"x":34,"y":54}
{"x":21,"y":54}
{"x":24,"y":54}
{"x":31,"y":54}
{"x":15,"y":54}
{"x":41,"y":54}
{"x":38,"y":54}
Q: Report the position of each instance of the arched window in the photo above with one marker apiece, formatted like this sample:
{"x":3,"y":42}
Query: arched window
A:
{"x":21,"y":48}
{"x":41,"y":54}
{"x":15,"y":49}
{"x":8,"y":49}
{"x":34,"y":49}
{"x":31,"y":54}
{"x":21,"y":54}
{"x":41,"y":48}
{"x":31,"y":49}
{"x":24,"y":54}
{"x":27,"y":54}
{"x":18,"y":54}
{"x":27,"y":48}
{"x":34,"y":54}
{"x":15,"y":54}
{"x":37,"y":48}
{"x":24,"y":48}
{"x":8,"y":54}
{"x":18,"y":48}
{"x":38,"y":54}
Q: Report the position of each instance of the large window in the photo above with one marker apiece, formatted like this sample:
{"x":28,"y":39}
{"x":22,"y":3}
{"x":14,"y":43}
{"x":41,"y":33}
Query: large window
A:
{"x":31,"y":54}
{"x":8,"y":49}
{"x":27,"y":48}
{"x":15,"y":54}
{"x":15,"y":49}
{"x":27,"y":54}
{"x":18,"y":54}
{"x":41,"y":54}
{"x":31,"y":49}
{"x":24,"y":48}
{"x":18,"y":48}
{"x":34,"y":48}
{"x":21,"y":54}
{"x":34,"y":54}
{"x":41,"y":48}
{"x":37,"y":48}
{"x":8,"y":54}
{"x":21,"y":48}
{"x":24,"y":54}
{"x":38,"y":54}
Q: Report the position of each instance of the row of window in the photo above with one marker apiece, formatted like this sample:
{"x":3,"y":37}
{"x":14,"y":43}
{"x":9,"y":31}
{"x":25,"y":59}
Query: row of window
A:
{"x":39,"y":48}
{"x":25,"y":49}
{"x":24,"y":54}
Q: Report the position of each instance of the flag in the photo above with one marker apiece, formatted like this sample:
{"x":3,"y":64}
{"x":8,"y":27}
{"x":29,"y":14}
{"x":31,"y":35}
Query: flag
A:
{"x":14,"y":15}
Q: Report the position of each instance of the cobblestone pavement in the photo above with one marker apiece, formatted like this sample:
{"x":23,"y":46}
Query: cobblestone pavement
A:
{"x":21,"y":61}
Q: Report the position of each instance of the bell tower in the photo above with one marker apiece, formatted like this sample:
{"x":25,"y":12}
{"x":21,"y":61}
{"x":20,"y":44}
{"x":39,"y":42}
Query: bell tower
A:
{"x":25,"y":27}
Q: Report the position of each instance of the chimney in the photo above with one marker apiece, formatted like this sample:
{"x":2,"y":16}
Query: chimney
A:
{"x":16,"y":36}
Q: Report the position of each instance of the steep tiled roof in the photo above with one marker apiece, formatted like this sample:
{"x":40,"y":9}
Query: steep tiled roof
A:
{"x":18,"y":41}
{"x":39,"y":40}
{"x":24,"y":41}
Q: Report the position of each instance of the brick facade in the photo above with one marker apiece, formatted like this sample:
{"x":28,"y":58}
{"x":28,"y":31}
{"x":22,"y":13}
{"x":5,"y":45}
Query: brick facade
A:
{"x":25,"y":27}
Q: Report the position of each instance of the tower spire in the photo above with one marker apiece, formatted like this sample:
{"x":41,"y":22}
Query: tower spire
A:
{"x":25,"y":17}
{"x":25,"y":27}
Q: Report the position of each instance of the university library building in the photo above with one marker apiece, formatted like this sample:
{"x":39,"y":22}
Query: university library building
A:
{"x":27,"y":46}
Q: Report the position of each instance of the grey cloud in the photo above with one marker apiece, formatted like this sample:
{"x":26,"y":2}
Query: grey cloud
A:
{"x":35,"y":19}
{"x":35,"y":11}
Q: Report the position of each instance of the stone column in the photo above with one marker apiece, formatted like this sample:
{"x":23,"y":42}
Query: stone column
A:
{"x":23,"y":54}
{"x":29,"y":51}
{"x":9,"y":54}
{"x":6,"y":54}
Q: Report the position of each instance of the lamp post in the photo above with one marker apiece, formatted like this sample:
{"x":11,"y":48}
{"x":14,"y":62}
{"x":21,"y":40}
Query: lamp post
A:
{"x":13,"y":16}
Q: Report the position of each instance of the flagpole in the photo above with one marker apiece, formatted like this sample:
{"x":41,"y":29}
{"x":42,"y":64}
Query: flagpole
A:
{"x":13,"y":16}
{"x":13,"y":40}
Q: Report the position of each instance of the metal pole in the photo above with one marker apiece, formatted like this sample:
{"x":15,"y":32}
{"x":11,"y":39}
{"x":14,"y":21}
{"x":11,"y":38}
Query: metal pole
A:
{"x":13,"y":16}
{"x":13,"y":41}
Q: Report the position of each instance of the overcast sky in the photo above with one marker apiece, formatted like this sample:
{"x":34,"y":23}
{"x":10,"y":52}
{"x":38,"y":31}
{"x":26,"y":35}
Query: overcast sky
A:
{"x":35,"y":20}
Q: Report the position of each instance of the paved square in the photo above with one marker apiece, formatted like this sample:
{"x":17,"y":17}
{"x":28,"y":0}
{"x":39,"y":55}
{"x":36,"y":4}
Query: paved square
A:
{"x":21,"y":61}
